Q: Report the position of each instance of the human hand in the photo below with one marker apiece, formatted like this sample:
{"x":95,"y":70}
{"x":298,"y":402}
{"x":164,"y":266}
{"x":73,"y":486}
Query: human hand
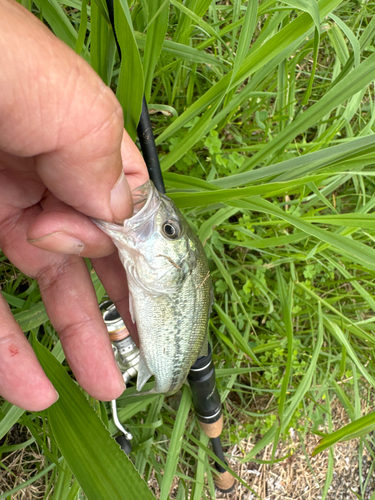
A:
{"x":63,"y":152}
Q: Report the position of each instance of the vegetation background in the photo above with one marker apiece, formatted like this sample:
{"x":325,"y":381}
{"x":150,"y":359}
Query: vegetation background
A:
{"x":264,"y":117}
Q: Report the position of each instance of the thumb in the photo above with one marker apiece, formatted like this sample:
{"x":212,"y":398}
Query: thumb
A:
{"x":88,"y":174}
{"x":55,"y":108}
{"x":85,"y":168}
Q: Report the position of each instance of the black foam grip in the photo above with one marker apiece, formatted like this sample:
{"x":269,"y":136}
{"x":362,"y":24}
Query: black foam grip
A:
{"x":205,"y":395}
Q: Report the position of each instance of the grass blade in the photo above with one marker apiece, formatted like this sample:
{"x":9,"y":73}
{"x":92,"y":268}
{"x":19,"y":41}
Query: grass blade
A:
{"x":96,"y":460}
{"x":355,"y":429}
{"x":9,"y":494}
{"x":342,"y":244}
{"x":176,"y":443}
{"x":103,"y":47}
{"x":235,"y":333}
{"x":341,"y":338}
{"x":246,"y":36}
{"x":131,"y":81}
{"x":82,"y":29}
{"x":32,"y":318}
{"x":297,"y":30}
{"x":197,"y":19}
{"x":302,"y":165}
{"x":302,"y":389}
{"x":351,"y":37}
{"x":348,"y":87}
{"x":286,"y":299}
{"x":11,"y":417}
{"x":185,"y":200}
{"x":62,"y":487}
{"x":157,"y":26}
{"x":58,"y":20}
{"x":201,"y":467}
{"x":184,"y":52}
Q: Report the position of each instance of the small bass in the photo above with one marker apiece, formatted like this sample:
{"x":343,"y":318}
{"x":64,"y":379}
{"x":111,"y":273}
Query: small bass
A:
{"x":169,"y":284}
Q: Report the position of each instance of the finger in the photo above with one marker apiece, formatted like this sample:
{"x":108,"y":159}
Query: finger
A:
{"x":133,"y":163}
{"x":62,"y":229}
{"x":71,"y":305}
{"x":54,"y":107}
{"x":22,"y":379}
{"x":112,"y":274}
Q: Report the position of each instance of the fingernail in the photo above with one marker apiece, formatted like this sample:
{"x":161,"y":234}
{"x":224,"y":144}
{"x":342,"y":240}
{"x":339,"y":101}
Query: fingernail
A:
{"x":121,"y":381}
{"x":121,"y":200}
{"x":122,"y":385}
{"x":57,"y":396}
{"x":59,"y":242}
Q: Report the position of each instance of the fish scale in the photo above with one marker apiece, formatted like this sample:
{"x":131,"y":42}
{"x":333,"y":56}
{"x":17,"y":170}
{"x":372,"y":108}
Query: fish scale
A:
{"x":169,"y":286}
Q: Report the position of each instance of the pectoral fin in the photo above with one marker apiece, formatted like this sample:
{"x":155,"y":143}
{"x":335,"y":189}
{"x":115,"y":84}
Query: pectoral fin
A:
{"x":143,"y":373}
{"x":131,"y":308}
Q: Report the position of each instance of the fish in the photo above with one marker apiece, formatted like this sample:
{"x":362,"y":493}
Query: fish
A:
{"x":170,"y":288}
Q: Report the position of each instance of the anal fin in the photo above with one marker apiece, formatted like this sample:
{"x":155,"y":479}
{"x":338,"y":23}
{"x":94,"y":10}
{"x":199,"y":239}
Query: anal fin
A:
{"x":143,"y":373}
{"x":204,"y":348}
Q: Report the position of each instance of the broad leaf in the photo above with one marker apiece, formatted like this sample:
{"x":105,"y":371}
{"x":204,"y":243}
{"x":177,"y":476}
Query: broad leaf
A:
{"x":96,"y":460}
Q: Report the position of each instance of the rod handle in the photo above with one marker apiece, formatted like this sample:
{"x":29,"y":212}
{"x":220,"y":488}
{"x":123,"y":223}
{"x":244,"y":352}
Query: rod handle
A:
{"x":206,"y":399}
{"x":224,"y":481}
{"x":212,"y":430}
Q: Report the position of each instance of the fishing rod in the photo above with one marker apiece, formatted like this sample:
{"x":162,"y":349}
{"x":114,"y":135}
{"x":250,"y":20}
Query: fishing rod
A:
{"x":201,"y":377}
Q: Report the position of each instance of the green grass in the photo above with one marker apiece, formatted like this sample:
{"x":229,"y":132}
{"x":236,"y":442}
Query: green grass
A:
{"x":268,"y":146}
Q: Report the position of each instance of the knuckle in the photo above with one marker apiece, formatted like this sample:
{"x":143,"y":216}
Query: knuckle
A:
{"x":85,"y":327}
{"x":49,"y":275}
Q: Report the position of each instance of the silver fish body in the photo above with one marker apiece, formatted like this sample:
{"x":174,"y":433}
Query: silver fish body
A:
{"x":169,"y":284}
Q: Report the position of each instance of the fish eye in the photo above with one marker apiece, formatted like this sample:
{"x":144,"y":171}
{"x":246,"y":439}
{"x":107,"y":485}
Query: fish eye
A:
{"x":172,"y":229}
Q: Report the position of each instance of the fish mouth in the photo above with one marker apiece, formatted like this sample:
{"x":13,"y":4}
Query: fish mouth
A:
{"x":146,"y":203}
{"x":141,"y":195}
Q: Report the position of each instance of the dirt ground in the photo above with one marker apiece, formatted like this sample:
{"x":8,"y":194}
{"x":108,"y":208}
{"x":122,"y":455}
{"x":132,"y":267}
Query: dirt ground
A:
{"x":301,"y":477}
